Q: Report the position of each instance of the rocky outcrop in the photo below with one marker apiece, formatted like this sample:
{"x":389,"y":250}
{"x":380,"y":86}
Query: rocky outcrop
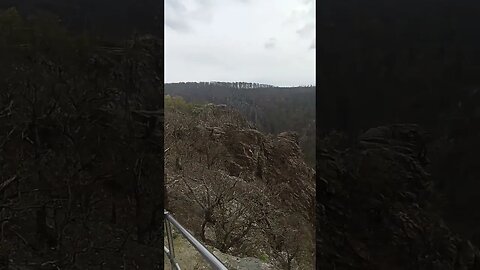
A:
{"x":376,"y":207}
{"x":246,"y":193}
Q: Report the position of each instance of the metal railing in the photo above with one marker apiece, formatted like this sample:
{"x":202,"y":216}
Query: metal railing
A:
{"x":214,"y":262}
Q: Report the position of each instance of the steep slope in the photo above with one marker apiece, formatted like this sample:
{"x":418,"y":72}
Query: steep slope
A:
{"x":81,"y":150}
{"x":246,"y":193}
{"x":377,"y":208}
{"x":270,"y":109}
{"x":385,"y":62}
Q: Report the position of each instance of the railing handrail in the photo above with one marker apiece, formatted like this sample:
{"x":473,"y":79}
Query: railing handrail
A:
{"x":207,"y":255}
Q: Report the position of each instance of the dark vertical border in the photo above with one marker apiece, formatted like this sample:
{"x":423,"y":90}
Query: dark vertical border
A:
{"x":317,"y":122}
{"x":161,"y":30}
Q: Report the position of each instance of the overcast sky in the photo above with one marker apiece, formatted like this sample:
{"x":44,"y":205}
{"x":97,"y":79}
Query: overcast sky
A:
{"x":264,"y":41}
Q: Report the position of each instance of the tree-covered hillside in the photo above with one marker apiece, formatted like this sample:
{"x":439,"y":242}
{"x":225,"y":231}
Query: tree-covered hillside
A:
{"x":271,"y":109}
{"x":81,"y":148}
{"x":247,"y":193}
{"x":390,"y":62}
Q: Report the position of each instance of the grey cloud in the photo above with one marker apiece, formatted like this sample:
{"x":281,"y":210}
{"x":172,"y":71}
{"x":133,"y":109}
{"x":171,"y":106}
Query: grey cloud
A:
{"x":270,"y":44}
{"x":175,"y":17}
{"x":204,"y":12}
{"x":305,"y":11}
{"x":178,"y":17}
{"x":226,"y":48}
{"x":177,"y":25}
{"x":303,"y":18}
{"x":176,"y":5}
{"x":306,"y":30}
{"x":204,"y":5}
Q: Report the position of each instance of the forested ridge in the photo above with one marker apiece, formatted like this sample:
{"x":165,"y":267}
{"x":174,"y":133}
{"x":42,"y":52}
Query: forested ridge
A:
{"x":81,"y":147}
{"x":271,"y":109}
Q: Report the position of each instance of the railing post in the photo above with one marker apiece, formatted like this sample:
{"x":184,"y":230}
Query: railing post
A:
{"x":170,"y":244}
{"x":171,"y":248}
{"x":214,"y":262}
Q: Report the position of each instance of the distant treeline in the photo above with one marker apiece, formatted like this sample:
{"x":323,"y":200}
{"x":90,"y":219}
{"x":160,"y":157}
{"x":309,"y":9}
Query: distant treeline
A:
{"x":225,"y":84}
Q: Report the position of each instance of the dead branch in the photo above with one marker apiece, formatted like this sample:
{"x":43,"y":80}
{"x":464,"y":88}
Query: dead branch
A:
{"x":7,"y":183}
